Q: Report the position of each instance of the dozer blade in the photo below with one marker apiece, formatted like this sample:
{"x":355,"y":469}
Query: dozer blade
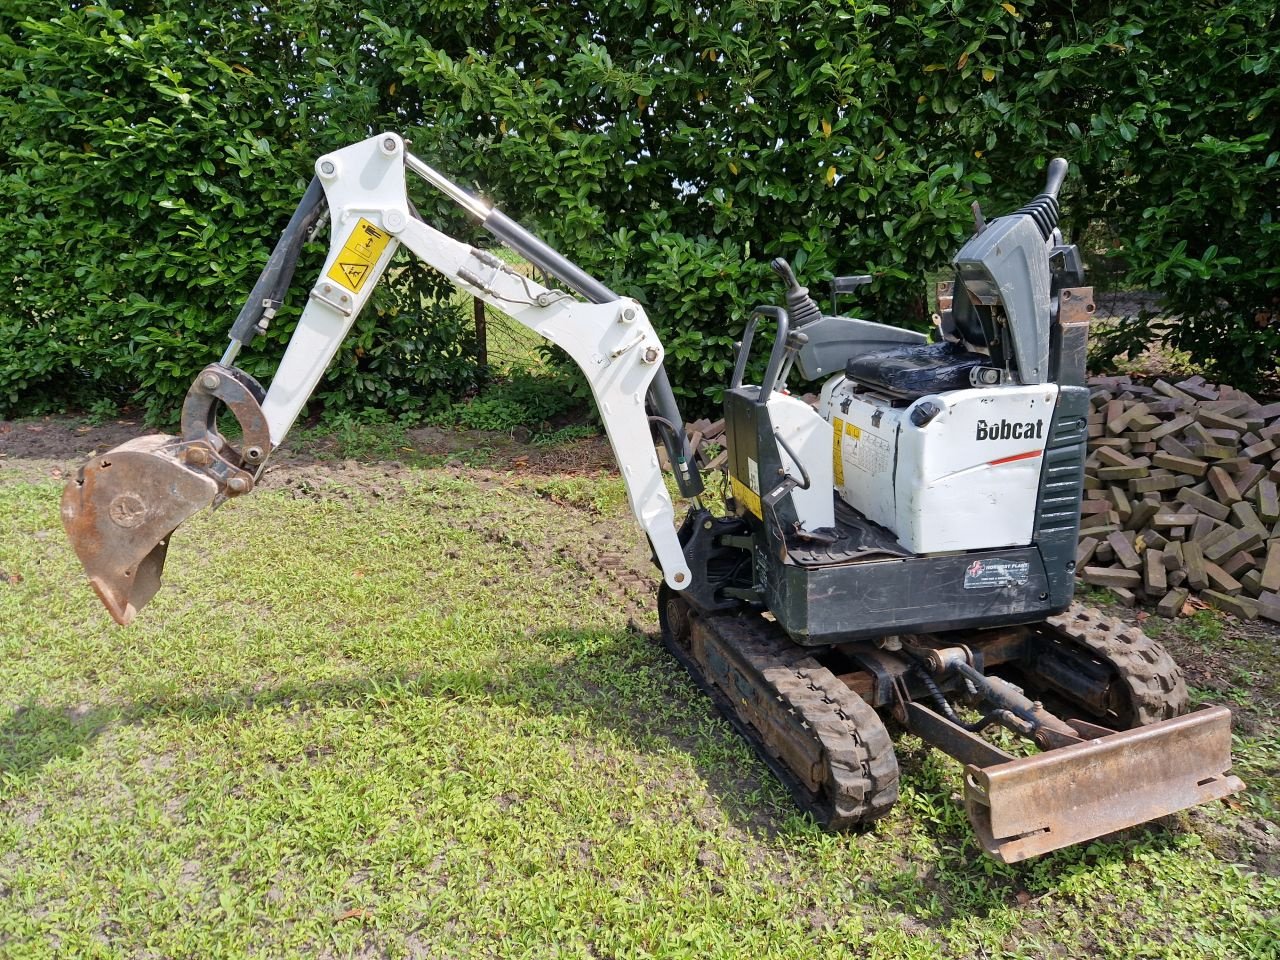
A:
{"x":119,"y":511}
{"x":1032,"y":805}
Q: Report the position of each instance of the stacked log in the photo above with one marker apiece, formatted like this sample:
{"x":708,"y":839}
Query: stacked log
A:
{"x":707,"y":441}
{"x":1180,"y":497}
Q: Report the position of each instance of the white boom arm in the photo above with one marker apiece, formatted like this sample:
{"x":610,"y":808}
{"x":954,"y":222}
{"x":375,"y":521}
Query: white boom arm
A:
{"x":613,"y":343}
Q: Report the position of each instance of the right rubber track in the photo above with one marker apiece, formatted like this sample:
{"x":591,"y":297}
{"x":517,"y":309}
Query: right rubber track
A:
{"x":799,"y":714}
{"x":1156,"y":688}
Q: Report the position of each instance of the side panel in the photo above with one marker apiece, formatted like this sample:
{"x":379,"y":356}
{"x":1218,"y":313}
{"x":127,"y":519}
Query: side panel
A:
{"x":969,"y":478}
{"x":1061,"y":486}
{"x":864,"y":450}
{"x":740,"y":416}
{"x":809,"y":437}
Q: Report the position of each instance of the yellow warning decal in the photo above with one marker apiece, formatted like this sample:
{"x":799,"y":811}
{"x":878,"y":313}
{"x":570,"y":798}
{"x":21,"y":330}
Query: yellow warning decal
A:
{"x":358,"y":255}
{"x":746,"y":496}
{"x":837,"y":434}
{"x":840,"y":430}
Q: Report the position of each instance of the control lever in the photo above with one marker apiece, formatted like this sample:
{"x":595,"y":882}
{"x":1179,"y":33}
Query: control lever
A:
{"x":1043,"y":208}
{"x":1053,"y":181}
{"x":801,"y":307}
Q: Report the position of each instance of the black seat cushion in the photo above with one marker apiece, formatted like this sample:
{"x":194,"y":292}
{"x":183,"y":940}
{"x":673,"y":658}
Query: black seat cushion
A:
{"x":913,"y":370}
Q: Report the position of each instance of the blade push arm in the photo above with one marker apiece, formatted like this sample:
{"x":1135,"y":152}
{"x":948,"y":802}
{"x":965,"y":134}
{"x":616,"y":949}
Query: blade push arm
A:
{"x":611,"y":340}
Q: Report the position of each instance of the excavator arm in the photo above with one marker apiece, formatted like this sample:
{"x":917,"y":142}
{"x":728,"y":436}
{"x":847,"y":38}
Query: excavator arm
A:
{"x":123,"y":506}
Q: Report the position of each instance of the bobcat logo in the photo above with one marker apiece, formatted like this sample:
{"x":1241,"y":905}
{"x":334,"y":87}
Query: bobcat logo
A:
{"x":1007,"y":430}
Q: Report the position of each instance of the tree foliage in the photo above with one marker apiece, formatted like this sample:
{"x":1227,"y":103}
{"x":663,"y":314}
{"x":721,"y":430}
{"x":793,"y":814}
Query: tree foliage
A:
{"x":152,"y":150}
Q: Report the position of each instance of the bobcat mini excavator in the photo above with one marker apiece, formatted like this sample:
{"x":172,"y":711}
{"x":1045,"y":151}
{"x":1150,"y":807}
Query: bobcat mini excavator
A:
{"x":905,"y":551}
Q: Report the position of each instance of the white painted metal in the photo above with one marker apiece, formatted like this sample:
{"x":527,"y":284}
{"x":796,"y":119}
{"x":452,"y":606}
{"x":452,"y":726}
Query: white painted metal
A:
{"x":864,"y":435}
{"x":967,"y":480}
{"x":809,"y":435}
{"x":613,"y":343}
{"x":366,"y":181}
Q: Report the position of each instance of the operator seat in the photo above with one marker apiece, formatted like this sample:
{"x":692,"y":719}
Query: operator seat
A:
{"x":910,"y":371}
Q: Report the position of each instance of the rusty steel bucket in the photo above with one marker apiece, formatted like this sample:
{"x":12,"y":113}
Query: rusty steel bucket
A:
{"x":1031,"y":805}
{"x":119,"y":511}
{"x":121,"y":507}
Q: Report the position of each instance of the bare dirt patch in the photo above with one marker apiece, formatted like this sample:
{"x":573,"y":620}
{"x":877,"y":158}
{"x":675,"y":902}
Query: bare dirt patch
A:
{"x":514,"y":450}
{"x":52,"y":447}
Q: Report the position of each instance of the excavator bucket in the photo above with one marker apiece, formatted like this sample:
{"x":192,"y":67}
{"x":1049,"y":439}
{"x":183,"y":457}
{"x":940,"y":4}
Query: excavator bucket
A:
{"x":122,"y":506}
{"x":1031,"y":805}
{"x":119,"y":511}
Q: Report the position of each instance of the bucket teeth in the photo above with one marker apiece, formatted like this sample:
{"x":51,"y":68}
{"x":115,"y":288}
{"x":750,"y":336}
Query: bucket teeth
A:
{"x":119,"y":511}
{"x":124,"y":596}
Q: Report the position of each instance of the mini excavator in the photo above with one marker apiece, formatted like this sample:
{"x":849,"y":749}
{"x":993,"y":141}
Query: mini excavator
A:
{"x":904,"y":552}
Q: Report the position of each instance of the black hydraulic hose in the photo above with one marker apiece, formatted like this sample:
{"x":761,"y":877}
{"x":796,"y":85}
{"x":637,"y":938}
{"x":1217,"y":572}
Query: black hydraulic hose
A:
{"x":269,"y":291}
{"x":940,"y":701}
{"x":674,"y":438}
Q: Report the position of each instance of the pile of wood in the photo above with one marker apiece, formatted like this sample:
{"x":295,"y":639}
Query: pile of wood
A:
{"x":1181,"y":497}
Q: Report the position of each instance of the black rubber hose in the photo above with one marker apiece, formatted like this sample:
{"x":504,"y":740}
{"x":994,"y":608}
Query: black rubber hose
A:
{"x":940,"y":701}
{"x":273,"y":283}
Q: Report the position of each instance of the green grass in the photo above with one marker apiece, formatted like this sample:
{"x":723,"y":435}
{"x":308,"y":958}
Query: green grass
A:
{"x":410,"y":725}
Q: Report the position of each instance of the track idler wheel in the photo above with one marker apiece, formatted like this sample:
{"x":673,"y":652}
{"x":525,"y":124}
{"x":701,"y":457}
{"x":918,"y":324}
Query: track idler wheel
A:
{"x":1136,"y":682}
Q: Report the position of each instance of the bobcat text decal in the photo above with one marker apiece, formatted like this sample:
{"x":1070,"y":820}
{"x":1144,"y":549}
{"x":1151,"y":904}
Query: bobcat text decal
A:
{"x":1007,"y":430}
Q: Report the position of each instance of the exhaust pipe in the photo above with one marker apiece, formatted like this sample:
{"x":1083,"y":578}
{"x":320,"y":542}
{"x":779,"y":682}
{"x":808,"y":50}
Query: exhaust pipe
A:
{"x":121,"y":508}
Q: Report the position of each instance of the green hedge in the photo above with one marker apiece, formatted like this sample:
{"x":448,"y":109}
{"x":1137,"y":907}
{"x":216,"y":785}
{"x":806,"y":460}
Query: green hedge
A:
{"x":149,"y":162}
{"x":150,"y":158}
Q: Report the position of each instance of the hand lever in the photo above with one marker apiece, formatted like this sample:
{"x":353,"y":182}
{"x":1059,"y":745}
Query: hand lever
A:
{"x":1057,"y":173}
{"x":800,"y":306}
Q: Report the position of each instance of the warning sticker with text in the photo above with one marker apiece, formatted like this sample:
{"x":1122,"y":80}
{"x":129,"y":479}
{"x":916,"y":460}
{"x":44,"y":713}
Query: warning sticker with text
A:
{"x":358,"y":255}
{"x":839,"y":431}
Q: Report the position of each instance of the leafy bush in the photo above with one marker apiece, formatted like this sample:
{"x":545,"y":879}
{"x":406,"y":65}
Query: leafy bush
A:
{"x":150,"y":157}
{"x":149,"y":161}
{"x":523,"y":399}
{"x":673,"y":148}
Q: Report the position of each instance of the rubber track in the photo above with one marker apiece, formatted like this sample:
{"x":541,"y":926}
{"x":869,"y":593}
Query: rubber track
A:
{"x":859,"y":780}
{"x":1157,"y":690}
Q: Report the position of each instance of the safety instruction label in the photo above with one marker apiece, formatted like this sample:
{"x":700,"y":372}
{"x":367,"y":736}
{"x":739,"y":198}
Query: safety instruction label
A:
{"x":840,"y":430}
{"x":358,"y":255}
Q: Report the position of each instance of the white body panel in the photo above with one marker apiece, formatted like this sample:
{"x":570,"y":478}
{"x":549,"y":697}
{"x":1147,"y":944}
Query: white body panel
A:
{"x":809,"y":436}
{"x":966,"y":480}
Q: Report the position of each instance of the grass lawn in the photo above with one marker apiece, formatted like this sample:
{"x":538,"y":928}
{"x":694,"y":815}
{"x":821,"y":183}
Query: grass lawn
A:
{"x":403,"y":711}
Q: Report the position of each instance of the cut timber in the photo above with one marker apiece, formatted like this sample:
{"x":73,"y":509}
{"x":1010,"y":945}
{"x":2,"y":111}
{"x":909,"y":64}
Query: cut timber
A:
{"x":1271,"y":569}
{"x":1111,"y":577}
{"x":1170,"y":605}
